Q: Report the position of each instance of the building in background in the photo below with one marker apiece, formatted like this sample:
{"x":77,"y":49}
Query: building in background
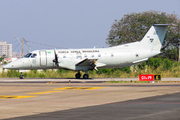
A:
{"x":5,"y":49}
{"x":16,"y":55}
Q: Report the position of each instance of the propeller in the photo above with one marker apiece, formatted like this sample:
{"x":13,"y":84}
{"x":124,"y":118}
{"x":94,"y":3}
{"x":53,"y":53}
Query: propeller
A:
{"x":56,"y":58}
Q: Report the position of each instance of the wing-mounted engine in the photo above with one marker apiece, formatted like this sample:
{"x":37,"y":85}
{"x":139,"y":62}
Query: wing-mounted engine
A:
{"x":75,"y":64}
{"x":85,"y":65}
{"x":67,"y":64}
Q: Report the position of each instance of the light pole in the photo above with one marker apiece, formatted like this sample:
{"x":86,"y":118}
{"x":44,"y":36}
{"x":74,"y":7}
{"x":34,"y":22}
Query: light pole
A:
{"x":22,"y":47}
{"x":22,"y":43}
{"x":29,"y":49}
{"x":18,"y":39}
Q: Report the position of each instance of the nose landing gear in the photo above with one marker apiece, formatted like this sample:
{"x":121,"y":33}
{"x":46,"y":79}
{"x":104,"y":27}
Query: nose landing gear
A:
{"x":21,"y":76}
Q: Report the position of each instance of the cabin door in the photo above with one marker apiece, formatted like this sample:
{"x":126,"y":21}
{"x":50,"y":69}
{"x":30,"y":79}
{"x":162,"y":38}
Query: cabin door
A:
{"x":43,"y":58}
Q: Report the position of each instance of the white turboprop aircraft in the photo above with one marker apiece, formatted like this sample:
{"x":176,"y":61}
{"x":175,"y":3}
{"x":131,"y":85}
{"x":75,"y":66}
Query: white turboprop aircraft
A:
{"x":90,"y":59}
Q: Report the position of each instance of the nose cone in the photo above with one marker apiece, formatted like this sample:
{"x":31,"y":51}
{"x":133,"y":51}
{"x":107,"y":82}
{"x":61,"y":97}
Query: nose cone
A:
{"x":13,"y":65}
{"x":8,"y":66}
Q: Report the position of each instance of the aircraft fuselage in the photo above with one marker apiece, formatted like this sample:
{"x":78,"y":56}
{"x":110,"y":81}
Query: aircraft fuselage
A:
{"x":104,"y":57}
{"x":92,"y":59}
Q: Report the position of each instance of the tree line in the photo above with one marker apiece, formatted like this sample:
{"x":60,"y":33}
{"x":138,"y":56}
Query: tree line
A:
{"x":132,"y":27}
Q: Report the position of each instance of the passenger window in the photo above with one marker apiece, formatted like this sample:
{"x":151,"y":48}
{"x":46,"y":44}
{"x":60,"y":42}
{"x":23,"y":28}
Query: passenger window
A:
{"x":85,"y":55}
{"x":92,"y":56}
{"x":99,"y":55}
{"x":112,"y":55}
{"x":64,"y":56}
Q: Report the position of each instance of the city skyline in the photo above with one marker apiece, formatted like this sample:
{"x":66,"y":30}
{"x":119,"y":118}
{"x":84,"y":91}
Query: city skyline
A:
{"x":5,"y":49}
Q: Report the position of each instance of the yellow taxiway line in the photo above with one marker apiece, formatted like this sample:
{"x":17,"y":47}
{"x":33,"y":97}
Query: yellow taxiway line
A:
{"x":78,"y":88}
{"x":45,"y":92}
{"x":14,"y":97}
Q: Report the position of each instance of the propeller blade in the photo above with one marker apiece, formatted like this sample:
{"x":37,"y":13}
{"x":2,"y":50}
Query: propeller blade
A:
{"x":56,"y":58}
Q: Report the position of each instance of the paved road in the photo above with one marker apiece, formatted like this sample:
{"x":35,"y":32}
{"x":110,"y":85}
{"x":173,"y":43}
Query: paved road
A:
{"x":89,"y":101}
{"x":73,"y":80}
{"x":165,"y":107}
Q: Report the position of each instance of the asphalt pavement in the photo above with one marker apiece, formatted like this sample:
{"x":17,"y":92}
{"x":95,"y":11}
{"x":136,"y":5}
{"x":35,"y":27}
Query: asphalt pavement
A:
{"x":53,"y":100}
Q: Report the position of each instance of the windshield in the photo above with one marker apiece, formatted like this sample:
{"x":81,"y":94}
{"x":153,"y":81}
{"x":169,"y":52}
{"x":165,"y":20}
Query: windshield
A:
{"x":28,"y":55}
{"x":33,"y":55}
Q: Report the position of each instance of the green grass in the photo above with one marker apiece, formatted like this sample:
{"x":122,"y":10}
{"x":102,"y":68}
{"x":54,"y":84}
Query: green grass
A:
{"x":128,"y":72}
{"x":128,"y":81}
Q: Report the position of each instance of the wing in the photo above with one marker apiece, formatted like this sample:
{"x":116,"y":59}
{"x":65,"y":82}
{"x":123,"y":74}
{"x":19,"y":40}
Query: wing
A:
{"x":87,"y":62}
{"x":90,"y":63}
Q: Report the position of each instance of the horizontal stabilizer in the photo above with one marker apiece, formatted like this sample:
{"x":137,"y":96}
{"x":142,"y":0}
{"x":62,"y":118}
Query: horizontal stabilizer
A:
{"x":139,"y":61}
{"x":165,"y":25}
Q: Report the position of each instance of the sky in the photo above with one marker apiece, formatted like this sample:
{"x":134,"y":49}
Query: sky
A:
{"x":69,"y":23}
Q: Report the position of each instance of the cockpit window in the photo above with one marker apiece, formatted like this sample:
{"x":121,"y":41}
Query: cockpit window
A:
{"x":28,"y":55}
{"x":33,"y":55}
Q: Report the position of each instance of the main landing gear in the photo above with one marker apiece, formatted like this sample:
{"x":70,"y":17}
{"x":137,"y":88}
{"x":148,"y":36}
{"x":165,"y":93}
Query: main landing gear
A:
{"x":78,"y":75}
{"x":85,"y":76}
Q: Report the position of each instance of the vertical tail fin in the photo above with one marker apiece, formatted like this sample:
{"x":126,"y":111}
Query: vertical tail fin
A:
{"x":154,"y":37}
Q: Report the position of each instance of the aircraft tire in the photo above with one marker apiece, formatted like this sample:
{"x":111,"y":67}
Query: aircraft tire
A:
{"x":78,"y":75}
{"x":21,"y":77}
{"x":85,"y":76}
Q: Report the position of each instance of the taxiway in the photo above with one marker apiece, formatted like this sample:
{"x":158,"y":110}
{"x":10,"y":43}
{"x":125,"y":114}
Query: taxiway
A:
{"x":90,"y":101}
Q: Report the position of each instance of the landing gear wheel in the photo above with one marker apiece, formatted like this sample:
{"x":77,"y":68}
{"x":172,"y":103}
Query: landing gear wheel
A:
{"x":21,"y":77}
{"x":78,"y":75}
{"x":85,"y":76}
